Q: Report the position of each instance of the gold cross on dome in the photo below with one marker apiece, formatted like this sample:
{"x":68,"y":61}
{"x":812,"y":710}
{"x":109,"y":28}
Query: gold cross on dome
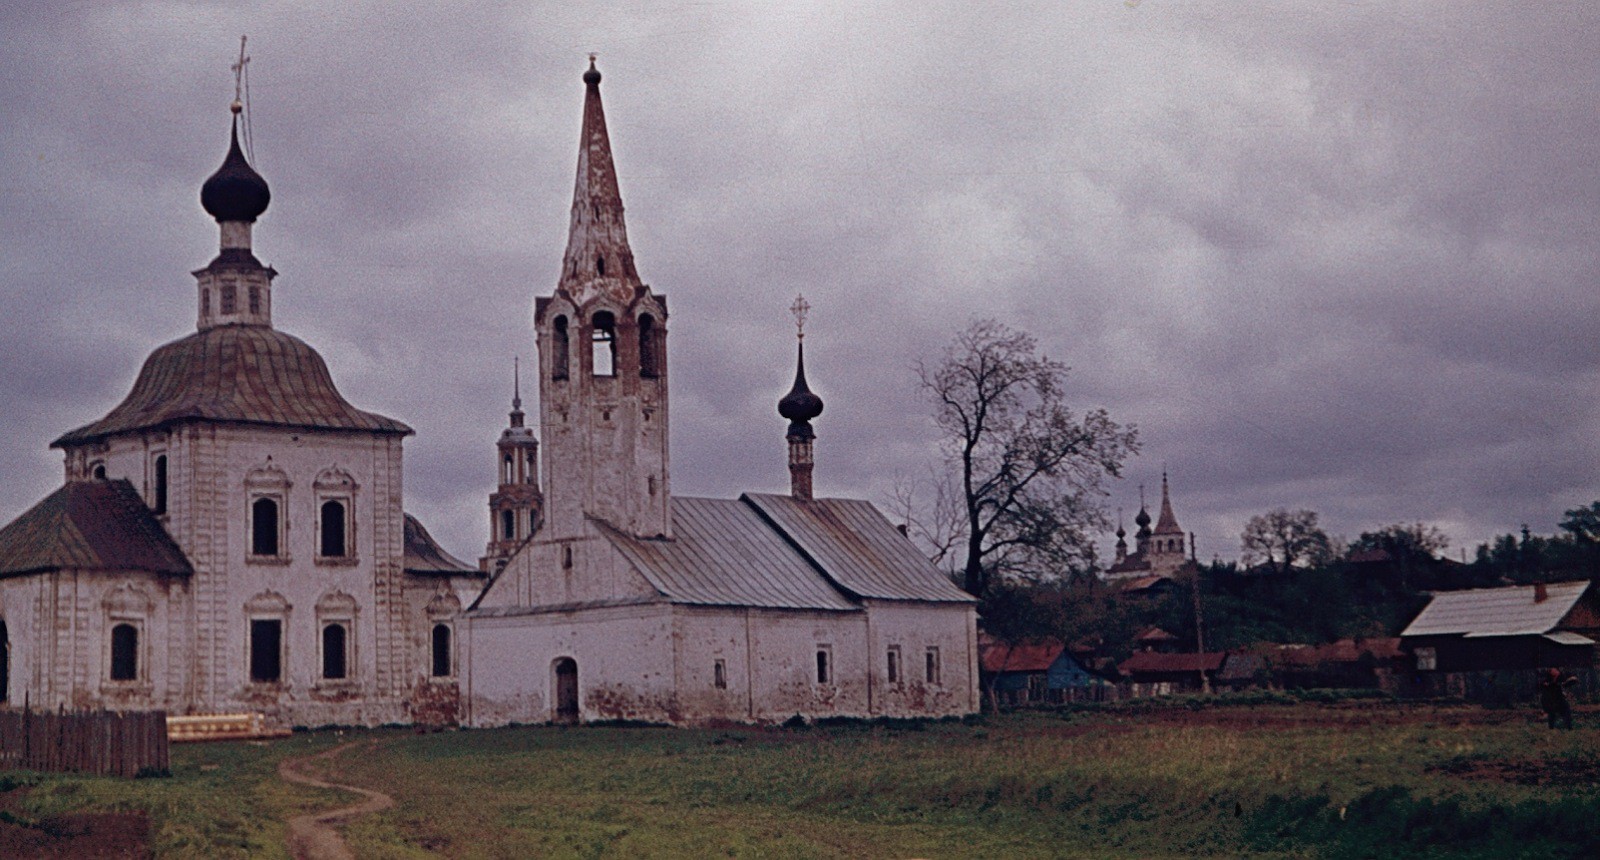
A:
{"x":799,"y":309}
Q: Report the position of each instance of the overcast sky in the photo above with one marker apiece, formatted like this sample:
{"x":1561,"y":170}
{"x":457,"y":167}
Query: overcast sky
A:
{"x":1332,"y":255}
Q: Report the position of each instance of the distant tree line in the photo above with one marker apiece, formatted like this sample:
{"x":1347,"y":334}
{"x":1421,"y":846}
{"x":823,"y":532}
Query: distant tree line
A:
{"x":1296,"y":585}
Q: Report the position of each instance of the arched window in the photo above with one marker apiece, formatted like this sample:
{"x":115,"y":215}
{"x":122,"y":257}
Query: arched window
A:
{"x":264,"y":526}
{"x":230,"y":299}
{"x":124,"y":653}
{"x":333,"y":652}
{"x":600,"y":266}
{"x":332,"y":541}
{"x":161,"y":484}
{"x":441,"y":651}
{"x":205,"y":303}
{"x":255,"y":300}
{"x":558,"y":346}
{"x":604,"y":342}
{"x":508,"y":525}
{"x":507,"y":473}
{"x":649,"y":364}
{"x":99,"y":471}
{"x":528,"y":468}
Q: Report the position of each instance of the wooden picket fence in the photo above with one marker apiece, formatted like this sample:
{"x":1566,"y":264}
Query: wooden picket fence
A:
{"x":103,"y":743}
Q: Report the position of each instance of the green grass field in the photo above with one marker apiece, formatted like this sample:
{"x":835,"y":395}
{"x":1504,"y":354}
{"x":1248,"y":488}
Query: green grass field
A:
{"x":1348,"y":781}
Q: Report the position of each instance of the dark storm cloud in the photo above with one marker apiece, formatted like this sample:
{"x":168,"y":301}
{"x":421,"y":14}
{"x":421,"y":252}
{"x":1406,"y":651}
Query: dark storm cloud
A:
{"x":1338,"y":256}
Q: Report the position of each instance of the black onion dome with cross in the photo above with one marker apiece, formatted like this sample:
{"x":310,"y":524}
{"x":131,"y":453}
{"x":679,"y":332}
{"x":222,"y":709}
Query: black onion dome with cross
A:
{"x":800,"y":405}
{"x":236,"y":192}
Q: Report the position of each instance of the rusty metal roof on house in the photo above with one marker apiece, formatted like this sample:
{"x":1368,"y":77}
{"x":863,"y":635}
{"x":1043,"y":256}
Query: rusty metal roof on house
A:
{"x":1512,"y":611}
{"x":1022,"y":657}
{"x":723,"y":553}
{"x":235,"y":373}
{"x":1142,"y":583}
{"x":425,"y":557}
{"x":89,"y":525}
{"x":857,"y":549}
{"x":1152,"y":662}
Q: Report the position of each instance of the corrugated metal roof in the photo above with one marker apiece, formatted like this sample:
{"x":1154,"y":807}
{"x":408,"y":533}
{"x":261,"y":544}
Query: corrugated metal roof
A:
{"x":239,"y":373}
{"x":424,"y":556}
{"x":858,"y":550}
{"x":1567,"y":637}
{"x":1023,"y":657}
{"x":89,"y":525}
{"x":551,"y":608}
{"x":1510,"y":611}
{"x":722,"y":553}
{"x":1150,"y":661}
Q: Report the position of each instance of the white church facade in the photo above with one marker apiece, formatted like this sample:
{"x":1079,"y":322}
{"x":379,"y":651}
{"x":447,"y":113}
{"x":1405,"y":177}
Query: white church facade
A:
{"x":232,"y":537}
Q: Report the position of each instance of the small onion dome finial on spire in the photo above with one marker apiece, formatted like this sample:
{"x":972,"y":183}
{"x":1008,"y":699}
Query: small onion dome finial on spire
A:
{"x":592,"y":77}
{"x":236,"y":192}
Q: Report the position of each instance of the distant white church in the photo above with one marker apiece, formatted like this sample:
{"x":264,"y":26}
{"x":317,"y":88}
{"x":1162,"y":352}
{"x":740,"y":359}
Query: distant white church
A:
{"x":232,"y":537}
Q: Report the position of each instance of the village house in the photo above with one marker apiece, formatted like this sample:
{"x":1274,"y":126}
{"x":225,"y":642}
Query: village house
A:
{"x":1518,"y":627}
{"x":1039,"y":671}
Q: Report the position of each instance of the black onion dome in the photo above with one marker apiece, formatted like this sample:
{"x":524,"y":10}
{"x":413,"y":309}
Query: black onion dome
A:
{"x":800,"y":405}
{"x":1143,"y":519}
{"x":236,"y":192}
{"x":592,"y":77}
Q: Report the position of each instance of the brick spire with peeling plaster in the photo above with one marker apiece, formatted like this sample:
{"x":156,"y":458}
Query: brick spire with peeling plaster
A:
{"x":598,"y":260}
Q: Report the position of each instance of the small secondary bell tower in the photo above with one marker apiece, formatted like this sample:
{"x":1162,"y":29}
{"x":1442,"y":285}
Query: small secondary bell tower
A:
{"x":517,"y":505}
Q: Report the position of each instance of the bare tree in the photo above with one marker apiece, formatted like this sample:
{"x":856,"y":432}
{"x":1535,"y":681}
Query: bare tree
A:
{"x":1028,"y":475}
{"x":1285,"y":538}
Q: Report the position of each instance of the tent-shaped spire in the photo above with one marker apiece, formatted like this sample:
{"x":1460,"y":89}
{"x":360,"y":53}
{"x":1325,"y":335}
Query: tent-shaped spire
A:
{"x":598,"y":260}
{"x":1167,"y":523}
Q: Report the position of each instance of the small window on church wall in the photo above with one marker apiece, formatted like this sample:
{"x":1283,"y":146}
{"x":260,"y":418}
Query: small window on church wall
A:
{"x":230,"y":299}
{"x":649,"y":367}
{"x":264,"y":527}
{"x":159,"y":502}
{"x":719,"y":675}
{"x":566,"y":557}
{"x":604,"y":343}
{"x":600,"y":266}
{"x":334,"y":530}
{"x":508,"y":525}
{"x":266,"y":650}
{"x":255,"y":300}
{"x":441,"y":651}
{"x":124,"y":653}
{"x":527,"y":468}
{"x":99,"y":471}
{"x":894,"y":664}
{"x":334,"y":652}
{"x":558,"y":348}
{"x":650,"y":484}
{"x":205,"y":303}
{"x":824,"y":665}
{"x":932,"y":666}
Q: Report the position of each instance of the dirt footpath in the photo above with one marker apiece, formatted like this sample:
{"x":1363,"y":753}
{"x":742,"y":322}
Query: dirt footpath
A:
{"x":314,"y":836}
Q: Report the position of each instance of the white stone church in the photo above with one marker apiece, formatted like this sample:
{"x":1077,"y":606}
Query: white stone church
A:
{"x":232,"y":537}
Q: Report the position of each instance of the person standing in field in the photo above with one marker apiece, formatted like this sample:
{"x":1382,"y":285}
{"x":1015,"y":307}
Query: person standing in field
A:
{"x":1553,"y":697}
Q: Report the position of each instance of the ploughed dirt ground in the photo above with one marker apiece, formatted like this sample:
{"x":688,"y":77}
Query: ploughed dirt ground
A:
{"x":110,"y":835}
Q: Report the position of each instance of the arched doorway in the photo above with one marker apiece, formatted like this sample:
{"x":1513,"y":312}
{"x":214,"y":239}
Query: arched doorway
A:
{"x":566,"y":698}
